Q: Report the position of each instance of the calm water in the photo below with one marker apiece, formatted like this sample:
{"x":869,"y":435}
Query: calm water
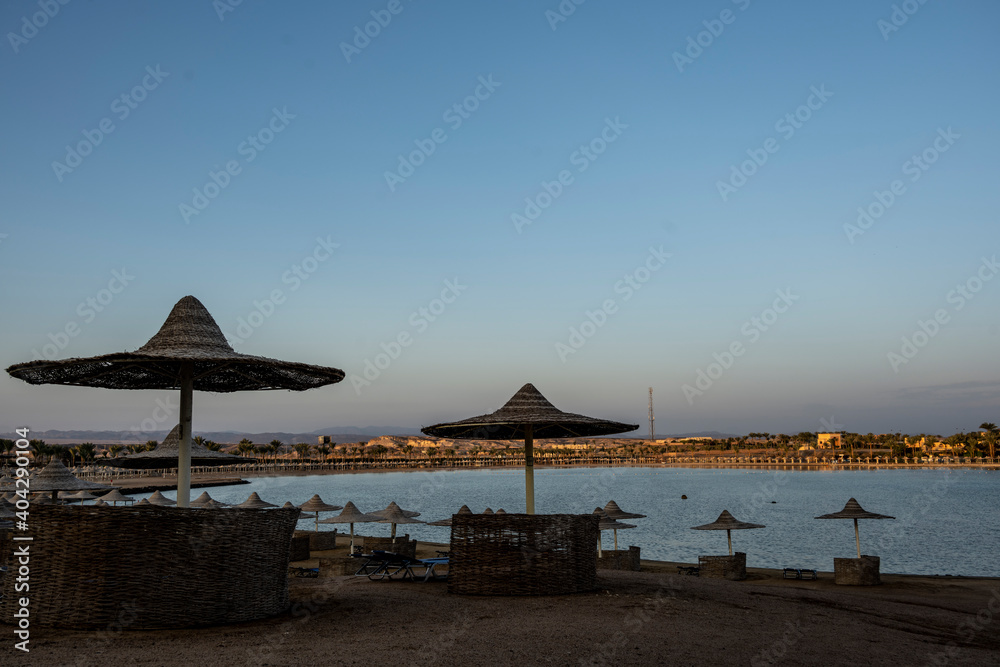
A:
{"x":947,"y":522}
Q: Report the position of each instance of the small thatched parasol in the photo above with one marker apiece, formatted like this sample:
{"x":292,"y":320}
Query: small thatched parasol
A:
{"x":157,"y":498}
{"x":351,"y":515}
{"x":204,"y":499}
{"x":614,"y":512}
{"x":188,"y":352}
{"x":144,"y":503}
{"x":393,"y":508}
{"x":316,"y":504}
{"x":254,"y":502}
{"x":488,"y":511}
{"x":608,"y":523}
{"x":728,"y":522}
{"x":464,"y":509}
{"x":115,"y":497}
{"x":100,"y":503}
{"x":54,"y":478}
{"x":526,"y":416}
{"x":79,"y":495}
{"x":395,"y":515}
{"x":167,"y":453}
{"x":853,"y":510}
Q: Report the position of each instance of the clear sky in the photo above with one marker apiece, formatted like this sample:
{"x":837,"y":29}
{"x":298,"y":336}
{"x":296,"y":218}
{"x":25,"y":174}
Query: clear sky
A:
{"x":673,"y":169}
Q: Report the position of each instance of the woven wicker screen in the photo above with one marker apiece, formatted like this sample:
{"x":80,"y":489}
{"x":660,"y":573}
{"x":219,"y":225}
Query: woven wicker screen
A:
{"x":155,"y":567}
{"x":523,"y":554}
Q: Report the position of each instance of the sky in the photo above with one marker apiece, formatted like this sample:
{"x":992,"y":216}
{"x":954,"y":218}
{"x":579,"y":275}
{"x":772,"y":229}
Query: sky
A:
{"x":782,"y":217}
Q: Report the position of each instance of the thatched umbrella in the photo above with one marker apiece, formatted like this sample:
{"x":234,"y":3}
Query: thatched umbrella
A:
{"x":115,"y":497}
{"x":608,"y":523}
{"x":254,"y":502}
{"x":157,"y":498}
{"x":167,"y":453}
{"x":488,"y":511}
{"x":395,"y":515}
{"x":100,"y":503}
{"x":188,"y":352}
{"x":464,"y":509}
{"x":316,"y":504}
{"x":728,"y":522}
{"x":54,"y":478}
{"x":79,"y":495}
{"x":144,"y":503}
{"x":614,"y":512}
{"x":853,"y":510}
{"x":352,"y":515}
{"x":526,"y":416}
{"x":393,"y":508}
{"x":205,"y":499}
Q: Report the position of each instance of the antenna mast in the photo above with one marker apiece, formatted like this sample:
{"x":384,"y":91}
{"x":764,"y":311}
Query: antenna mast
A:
{"x":652,"y":431}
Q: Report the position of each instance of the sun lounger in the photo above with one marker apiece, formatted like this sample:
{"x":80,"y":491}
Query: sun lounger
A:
{"x":797,"y":573}
{"x":380,"y":565}
{"x":429,"y":573}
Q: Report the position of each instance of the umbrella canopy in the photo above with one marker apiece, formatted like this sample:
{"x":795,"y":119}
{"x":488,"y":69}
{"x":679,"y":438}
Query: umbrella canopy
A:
{"x":55,"y":478}
{"x":167,"y":454}
{"x":254,"y":502}
{"x":615,"y":512}
{"x":609,"y":523}
{"x":316,"y":504}
{"x":203,"y":499}
{"x":488,"y":510}
{"x":157,"y":498}
{"x":853,"y":510}
{"x":392,"y":508}
{"x":526,"y":416}
{"x":79,"y":495}
{"x":395,"y":515}
{"x":211,"y":504}
{"x":464,"y":509}
{"x":100,"y":503}
{"x":144,"y":503}
{"x":188,"y":352}
{"x":115,"y":497}
{"x":352,"y":515}
{"x":728,"y":522}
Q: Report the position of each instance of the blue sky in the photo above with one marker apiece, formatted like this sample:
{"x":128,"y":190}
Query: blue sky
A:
{"x":654,"y":139}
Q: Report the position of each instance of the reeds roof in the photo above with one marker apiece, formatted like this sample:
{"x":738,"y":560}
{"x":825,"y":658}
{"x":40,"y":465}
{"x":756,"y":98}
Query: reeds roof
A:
{"x":527,"y":408}
{"x":853,"y":510}
{"x":316,"y":504}
{"x":727,"y":521}
{"x":189,"y":334}
{"x":351,"y":514}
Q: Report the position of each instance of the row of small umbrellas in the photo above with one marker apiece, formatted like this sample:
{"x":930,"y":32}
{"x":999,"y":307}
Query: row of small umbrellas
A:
{"x":190,"y":352}
{"x":852,"y":510}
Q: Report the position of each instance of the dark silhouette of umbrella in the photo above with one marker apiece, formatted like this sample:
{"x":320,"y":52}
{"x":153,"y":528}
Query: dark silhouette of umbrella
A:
{"x":54,"y":478}
{"x":316,"y":505}
{"x":608,"y":523}
{"x":188,"y":352}
{"x":352,"y":515}
{"x":728,"y":522}
{"x":853,"y":510}
{"x":464,"y":509}
{"x":526,"y":416}
{"x":254,"y":502}
{"x":395,"y":515}
{"x":167,"y":454}
{"x":612,"y":511}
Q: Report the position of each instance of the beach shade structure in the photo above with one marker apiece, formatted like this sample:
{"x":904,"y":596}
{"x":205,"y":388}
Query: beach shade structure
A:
{"x":116,"y":497}
{"x":501,"y":511}
{"x":607,"y":523}
{"x":853,"y":510}
{"x":255,"y":503}
{"x":393,"y":508}
{"x":54,"y":478}
{"x":526,"y":416}
{"x":100,"y":503}
{"x":613,"y":511}
{"x":167,"y":455}
{"x":351,"y":515}
{"x":144,"y":503}
{"x":316,"y":505}
{"x":157,"y":498}
{"x":189,"y":352}
{"x":44,"y":500}
{"x":79,"y":495}
{"x":463,"y":510}
{"x":488,"y":511}
{"x":728,"y":523}
{"x":212,"y":504}
{"x":394,"y":515}
{"x":302,"y":515}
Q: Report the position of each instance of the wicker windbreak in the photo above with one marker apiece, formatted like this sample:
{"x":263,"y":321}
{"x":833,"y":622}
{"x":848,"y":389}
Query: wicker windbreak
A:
{"x":153,"y":567}
{"x":522,"y":554}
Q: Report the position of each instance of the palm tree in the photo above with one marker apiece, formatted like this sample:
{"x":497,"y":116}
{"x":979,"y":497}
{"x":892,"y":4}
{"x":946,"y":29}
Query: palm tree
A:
{"x":245,"y":447}
{"x":115,"y":450}
{"x":87,"y":452}
{"x":991,"y":435}
{"x":302,"y":449}
{"x":274,"y":447}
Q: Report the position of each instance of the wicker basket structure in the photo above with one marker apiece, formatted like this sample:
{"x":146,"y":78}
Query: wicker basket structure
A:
{"x":154,"y":567}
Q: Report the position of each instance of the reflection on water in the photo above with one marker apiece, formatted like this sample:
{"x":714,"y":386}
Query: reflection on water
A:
{"x":946,"y":520}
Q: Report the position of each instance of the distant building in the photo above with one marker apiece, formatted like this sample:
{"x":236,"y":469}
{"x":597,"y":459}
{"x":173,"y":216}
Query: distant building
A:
{"x":829,"y":440}
{"x":324,"y":440}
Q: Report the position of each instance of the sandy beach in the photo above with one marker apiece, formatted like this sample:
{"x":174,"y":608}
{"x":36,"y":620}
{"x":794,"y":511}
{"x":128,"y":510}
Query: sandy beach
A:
{"x":653,"y":617}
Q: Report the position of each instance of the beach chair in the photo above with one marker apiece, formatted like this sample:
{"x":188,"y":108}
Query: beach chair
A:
{"x":380,"y":565}
{"x":797,"y":573}
{"x":429,"y":566}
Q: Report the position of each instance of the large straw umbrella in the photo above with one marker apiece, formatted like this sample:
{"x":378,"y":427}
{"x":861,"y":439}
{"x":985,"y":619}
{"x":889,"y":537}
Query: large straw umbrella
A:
{"x":728,"y":523}
{"x":157,"y":498}
{"x":613,"y":511}
{"x":352,"y":515}
{"x":54,"y":478}
{"x":188,"y":352}
{"x":853,"y":510}
{"x":526,"y":416}
{"x":116,"y":497}
{"x":464,"y":509}
{"x":395,"y":515}
{"x":393,"y":508}
{"x":316,"y":504}
{"x":167,"y":454}
{"x":608,"y":523}
{"x":254,"y":502}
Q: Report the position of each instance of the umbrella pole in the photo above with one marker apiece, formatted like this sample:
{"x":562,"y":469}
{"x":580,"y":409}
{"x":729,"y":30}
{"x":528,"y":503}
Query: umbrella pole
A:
{"x":352,"y":541}
{"x":616,"y":539}
{"x":529,"y":469}
{"x":184,"y":452}
{"x":392,"y":535}
{"x":857,"y":538}
{"x":599,"y":540}
{"x":729,"y":534}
